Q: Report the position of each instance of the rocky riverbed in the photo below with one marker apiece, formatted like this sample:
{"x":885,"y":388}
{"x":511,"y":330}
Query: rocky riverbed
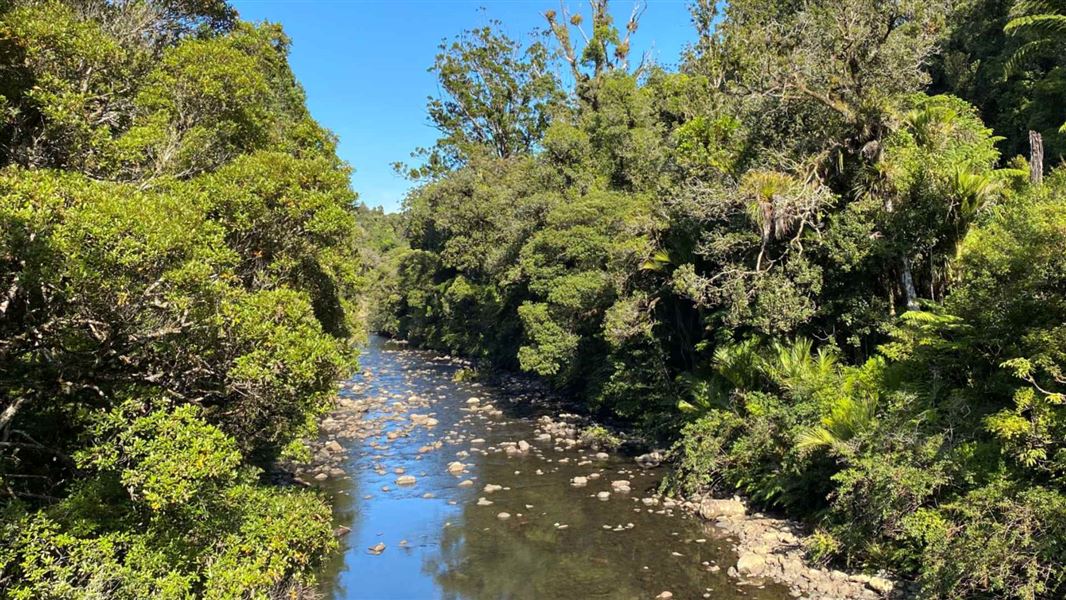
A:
{"x":453,"y":489}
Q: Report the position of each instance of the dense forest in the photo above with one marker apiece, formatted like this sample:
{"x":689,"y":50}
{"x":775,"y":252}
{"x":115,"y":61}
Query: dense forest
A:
{"x":822,"y":259}
{"x":817,"y":257}
{"x":179,"y":264}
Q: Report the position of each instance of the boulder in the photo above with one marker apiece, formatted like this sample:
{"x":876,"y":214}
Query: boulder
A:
{"x":651,"y":459}
{"x":712,"y":508}
{"x":880,"y":585}
{"x":751,"y":564}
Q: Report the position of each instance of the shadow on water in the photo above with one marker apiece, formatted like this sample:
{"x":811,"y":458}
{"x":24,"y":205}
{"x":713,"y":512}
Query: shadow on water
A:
{"x":559,"y":542}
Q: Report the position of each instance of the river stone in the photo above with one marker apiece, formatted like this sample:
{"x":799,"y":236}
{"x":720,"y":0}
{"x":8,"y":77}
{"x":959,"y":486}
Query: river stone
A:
{"x":333,"y":447}
{"x":405,"y":480}
{"x":523,"y":446}
{"x":621,"y":486}
{"x":712,"y":508}
{"x":880,"y":585}
{"x":579,"y":481}
{"x":751,"y":564}
{"x":492,"y":487}
{"x":503,"y":516}
{"x":650,"y":460}
{"x":321,"y":477}
{"x":604,"y":495}
{"x":484,"y":502}
{"x":664,"y":596}
{"x":456,"y":467}
{"x":377,"y":548}
{"x":466,"y":483}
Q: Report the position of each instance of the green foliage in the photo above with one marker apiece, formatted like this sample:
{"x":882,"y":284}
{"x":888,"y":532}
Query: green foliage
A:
{"x":810,"y":259}
{"x":496,"y":100}
{"x":180,"y":264}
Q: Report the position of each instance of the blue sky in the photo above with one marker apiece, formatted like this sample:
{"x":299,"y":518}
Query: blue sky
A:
{"x":363,"y":65}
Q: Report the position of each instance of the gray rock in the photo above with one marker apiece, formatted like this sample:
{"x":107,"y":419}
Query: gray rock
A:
{"x":751,"y":564}
{"x":880,"y":585}
{"x":712,"y":508}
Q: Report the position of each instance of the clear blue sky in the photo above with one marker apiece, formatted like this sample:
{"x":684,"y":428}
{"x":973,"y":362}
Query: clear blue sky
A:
{"x":364,"y":65}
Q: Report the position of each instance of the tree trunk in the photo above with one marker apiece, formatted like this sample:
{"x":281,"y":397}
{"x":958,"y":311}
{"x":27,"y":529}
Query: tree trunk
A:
{"x":907,"y":279}
{"x":1036,"y":157}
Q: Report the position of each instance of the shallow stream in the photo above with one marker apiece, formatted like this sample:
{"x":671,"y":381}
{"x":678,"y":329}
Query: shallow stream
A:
{"x":558,"y":540}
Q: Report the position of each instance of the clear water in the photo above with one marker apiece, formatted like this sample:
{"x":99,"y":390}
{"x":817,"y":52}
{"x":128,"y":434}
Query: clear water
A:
{"x":447,"y":546}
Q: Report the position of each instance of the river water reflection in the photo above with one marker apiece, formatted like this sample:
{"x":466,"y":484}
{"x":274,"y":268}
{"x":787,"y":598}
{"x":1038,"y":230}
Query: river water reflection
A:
{"x":560,"y":541}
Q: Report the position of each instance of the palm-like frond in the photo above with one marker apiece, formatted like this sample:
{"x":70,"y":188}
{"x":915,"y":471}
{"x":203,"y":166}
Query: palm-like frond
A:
{"x":1026,"y":52}
{"x":1043,"y":19}
{"x":1046,"y":22}
{"x":974,"y":191}
{"x":848,"y":417}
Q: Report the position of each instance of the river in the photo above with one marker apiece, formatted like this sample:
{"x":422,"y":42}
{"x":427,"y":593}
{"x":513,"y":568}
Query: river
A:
{"x":443,"y":536}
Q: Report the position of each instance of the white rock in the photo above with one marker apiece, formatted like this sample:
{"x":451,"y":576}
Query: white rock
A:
{"x":750,"y":564}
